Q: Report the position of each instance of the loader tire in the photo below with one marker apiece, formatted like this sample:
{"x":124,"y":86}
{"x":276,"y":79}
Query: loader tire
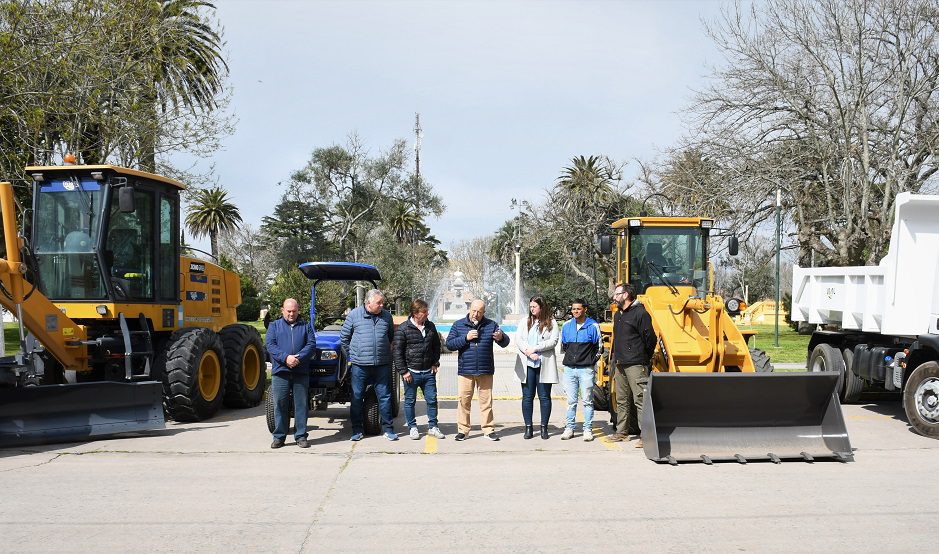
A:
{"x":601,"y":399}
{"x":921,"y":399}
{"x":372,"y":421}
{"x":193,"y":374}
{"x":853,"y":385}
{"x":761,"y":361}
{"x":245,"y":370}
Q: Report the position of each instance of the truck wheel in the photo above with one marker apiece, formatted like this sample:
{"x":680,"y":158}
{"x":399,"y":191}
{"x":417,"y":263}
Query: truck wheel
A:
{"x":825,"y":357}
{"x":761,"y":361}
{"x":193,"y":374}
{"x":853,"y":385}
{"x":921,"y":399}
{"x":245,"y":370}
{"x":372,"y":421}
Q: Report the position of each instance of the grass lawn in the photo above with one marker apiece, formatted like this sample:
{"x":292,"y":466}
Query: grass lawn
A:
{"x":792,"y":346}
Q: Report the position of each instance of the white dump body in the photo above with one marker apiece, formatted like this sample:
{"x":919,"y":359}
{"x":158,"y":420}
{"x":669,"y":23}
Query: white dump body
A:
{"x":898,"y":297}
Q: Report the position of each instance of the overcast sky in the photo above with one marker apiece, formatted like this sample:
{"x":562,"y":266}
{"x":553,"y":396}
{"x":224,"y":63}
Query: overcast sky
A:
{"x":508,"y":91}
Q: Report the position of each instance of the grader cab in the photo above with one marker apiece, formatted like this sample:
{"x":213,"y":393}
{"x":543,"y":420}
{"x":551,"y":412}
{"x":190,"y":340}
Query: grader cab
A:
{"x":710,"y":396}
{"x":117,"y":328}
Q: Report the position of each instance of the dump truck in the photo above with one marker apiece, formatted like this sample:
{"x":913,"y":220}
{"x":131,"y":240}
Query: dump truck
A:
{"x":117,"y":328}
{"x":879,"y":325}
{"x":710,"y":396}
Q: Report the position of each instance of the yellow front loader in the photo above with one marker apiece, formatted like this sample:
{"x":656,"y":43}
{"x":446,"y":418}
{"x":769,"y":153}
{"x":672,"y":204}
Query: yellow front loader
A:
{"x":710,"y":396}
{"x":117,"y":329}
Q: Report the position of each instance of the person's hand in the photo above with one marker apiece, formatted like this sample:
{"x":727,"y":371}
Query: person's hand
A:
{"x":407,"y":377}
{"x":529,"y":351}
{"x":434,"y":369}
{"x":497,"y":335}
{"x":473,"y":334}
{"x":534,"y":356}
{"x":292,"y":361}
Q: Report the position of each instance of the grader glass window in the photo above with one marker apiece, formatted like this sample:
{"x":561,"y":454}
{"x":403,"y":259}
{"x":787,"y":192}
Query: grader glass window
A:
{"x":129,"y":247}
{"x":667,"y":256}
{"x":65,"y":238}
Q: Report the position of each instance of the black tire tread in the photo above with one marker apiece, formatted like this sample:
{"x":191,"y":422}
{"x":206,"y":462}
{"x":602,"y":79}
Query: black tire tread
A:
{"x":179,"y":362}
{"x":372,"y":423}
{"x":921,"y":426}
{"x":761,"y":361}
{"x":853,"y":385}
{"x":236,"y":339}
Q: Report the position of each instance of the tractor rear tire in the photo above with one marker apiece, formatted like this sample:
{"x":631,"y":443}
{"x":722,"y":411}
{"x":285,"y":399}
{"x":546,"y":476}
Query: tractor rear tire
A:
{"x":761,"y":361}
{"x":269,"y":410}
{"x":853,"y":385}
{"x":372,"y":421}
{"x":192,"y":366}
{"x":245,"y":370}
{"x":395,"y":393}
{"x":921,"y":399}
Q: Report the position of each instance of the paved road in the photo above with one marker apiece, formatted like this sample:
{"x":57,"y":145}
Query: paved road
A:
{"x":217,"y":486}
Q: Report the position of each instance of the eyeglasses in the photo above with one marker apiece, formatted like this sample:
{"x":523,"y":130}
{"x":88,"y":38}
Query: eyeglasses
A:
{"x":620,"y":293}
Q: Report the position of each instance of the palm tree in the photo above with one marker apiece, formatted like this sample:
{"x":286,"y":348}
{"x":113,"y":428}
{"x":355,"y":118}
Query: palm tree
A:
{"x":406,"y":224}
{"x":211,"y":212}
{"x":185,"y":63}
{"x":588,"y":181}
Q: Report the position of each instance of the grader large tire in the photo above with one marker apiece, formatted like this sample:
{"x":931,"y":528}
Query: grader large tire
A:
{"x":245,"y":370}
{"x":193,"y":374}
{"x":921,"y":399}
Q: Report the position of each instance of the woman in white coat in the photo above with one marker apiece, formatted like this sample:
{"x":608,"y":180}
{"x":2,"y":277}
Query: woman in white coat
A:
{"x":535,"y":365}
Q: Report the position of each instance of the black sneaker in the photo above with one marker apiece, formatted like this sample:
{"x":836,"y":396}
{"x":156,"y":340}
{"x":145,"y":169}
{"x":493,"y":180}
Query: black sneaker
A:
{"x":492,"y":436}
{"x":303,"y":443}
{"x":278,"y":443}
{"x":460,"y":436}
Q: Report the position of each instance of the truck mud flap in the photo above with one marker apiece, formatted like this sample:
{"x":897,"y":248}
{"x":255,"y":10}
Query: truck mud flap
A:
{"x":78,"y":412}
{"x":743,"y":416}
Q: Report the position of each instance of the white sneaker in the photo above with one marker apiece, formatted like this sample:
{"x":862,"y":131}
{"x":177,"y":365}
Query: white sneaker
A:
{"x":436,"y":432}
{"x":567,"y":434}
{"x":415,"y":434}
{"x":588,"y":434}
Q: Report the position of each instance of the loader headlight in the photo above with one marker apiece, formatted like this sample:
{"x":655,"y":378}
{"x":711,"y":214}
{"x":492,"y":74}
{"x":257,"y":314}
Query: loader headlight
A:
{"x":327,"y":355}
{"x":707,"y":223}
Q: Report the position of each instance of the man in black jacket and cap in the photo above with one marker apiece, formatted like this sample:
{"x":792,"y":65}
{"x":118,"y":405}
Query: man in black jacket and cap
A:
{"x":633,"y":344}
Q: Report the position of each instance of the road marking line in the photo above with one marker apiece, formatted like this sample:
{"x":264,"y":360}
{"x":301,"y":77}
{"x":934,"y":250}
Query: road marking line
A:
{"x":610,"y":445}
{"x":430,"y":445}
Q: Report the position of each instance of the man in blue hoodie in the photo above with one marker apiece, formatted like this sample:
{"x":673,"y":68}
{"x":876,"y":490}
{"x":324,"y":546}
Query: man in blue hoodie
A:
{"x":580,"y":342}
{"x":291,"y":343}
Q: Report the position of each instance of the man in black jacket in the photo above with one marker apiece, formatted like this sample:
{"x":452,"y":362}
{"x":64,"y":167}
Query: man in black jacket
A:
{"x":633,"y":344}
{"x":416,"y":354}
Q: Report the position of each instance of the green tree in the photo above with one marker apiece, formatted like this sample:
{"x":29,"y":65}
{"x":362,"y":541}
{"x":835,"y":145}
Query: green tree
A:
{"x":209,"y":212}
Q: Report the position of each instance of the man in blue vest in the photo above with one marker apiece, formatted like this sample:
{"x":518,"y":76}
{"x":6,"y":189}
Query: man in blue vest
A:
{"x":291,"y":343}
{"x":473,"y":337}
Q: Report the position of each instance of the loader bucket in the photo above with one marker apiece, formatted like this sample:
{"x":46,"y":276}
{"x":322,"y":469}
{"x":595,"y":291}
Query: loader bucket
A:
{"x":743,"y":416}
{"x":78,"y":411}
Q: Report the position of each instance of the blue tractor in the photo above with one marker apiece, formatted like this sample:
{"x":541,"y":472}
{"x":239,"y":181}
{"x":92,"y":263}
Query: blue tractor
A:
{"x":330,"y":375}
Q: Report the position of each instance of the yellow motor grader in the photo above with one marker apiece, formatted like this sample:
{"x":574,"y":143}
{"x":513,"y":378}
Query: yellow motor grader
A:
{"x":116,"y":327}
{"x":710,"y":396}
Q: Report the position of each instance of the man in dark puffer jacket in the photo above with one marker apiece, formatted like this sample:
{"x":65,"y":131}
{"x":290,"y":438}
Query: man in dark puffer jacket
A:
{"x":416,"y":353}
{"x":473,"y":337}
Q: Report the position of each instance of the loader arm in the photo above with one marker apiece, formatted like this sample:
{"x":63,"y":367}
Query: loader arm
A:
{"x":60,"y":335}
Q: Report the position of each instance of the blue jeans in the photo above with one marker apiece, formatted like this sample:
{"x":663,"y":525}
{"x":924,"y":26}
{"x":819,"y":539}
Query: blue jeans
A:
{"x":579,"y":378}
{"x":531,"y":384}
{"x":427,"y":382}
{"x":281,"y":385}
{"x":380,"y":377}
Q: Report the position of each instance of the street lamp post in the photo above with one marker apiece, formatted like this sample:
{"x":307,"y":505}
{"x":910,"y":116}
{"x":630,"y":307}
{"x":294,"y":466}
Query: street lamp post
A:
{"x":518,"y":258}
{"x":778,"y":215}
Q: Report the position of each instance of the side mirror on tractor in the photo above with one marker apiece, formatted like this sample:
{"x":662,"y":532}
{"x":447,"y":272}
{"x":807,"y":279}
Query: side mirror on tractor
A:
{"x":605,"y":244}
{"x":733,"y":245}
{"x":125,"y":200}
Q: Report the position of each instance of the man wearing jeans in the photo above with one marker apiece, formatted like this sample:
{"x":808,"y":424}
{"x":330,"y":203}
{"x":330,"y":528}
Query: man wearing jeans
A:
{"x":417,"y":357}
{"x":580,"y":342}
{"x":291,"y":343}
{"x":366,"y":338}
{"x":634,"y":342}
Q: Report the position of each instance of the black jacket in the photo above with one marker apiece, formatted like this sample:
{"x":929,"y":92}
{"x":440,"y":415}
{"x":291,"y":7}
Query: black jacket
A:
{"x":633,"y":336}
{"x":413,"y":351}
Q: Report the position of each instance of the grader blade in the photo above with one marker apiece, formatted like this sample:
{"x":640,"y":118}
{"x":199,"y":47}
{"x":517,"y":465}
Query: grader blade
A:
{"x":743,"y":416}
{"x":78,"y":412}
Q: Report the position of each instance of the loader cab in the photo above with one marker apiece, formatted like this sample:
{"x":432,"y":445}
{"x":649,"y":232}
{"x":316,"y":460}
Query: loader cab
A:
{"x":660,"y":251}
{"x":105,"y":234}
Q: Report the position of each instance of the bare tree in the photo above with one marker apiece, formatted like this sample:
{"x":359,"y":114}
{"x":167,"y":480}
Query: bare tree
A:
{"x":835,"y":103}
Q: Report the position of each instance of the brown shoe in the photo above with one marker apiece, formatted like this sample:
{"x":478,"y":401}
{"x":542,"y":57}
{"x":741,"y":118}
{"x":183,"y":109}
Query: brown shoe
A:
{"x":616,"y":437}
{"x":638,"y":443}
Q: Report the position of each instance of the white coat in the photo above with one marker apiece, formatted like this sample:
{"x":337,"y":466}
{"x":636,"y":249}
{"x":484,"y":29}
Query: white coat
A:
{"x":545,"y":349}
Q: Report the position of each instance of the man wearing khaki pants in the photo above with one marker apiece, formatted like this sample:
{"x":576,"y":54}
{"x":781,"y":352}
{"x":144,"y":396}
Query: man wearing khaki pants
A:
{"x":633,"y":344}
{"x":473,"y":337}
